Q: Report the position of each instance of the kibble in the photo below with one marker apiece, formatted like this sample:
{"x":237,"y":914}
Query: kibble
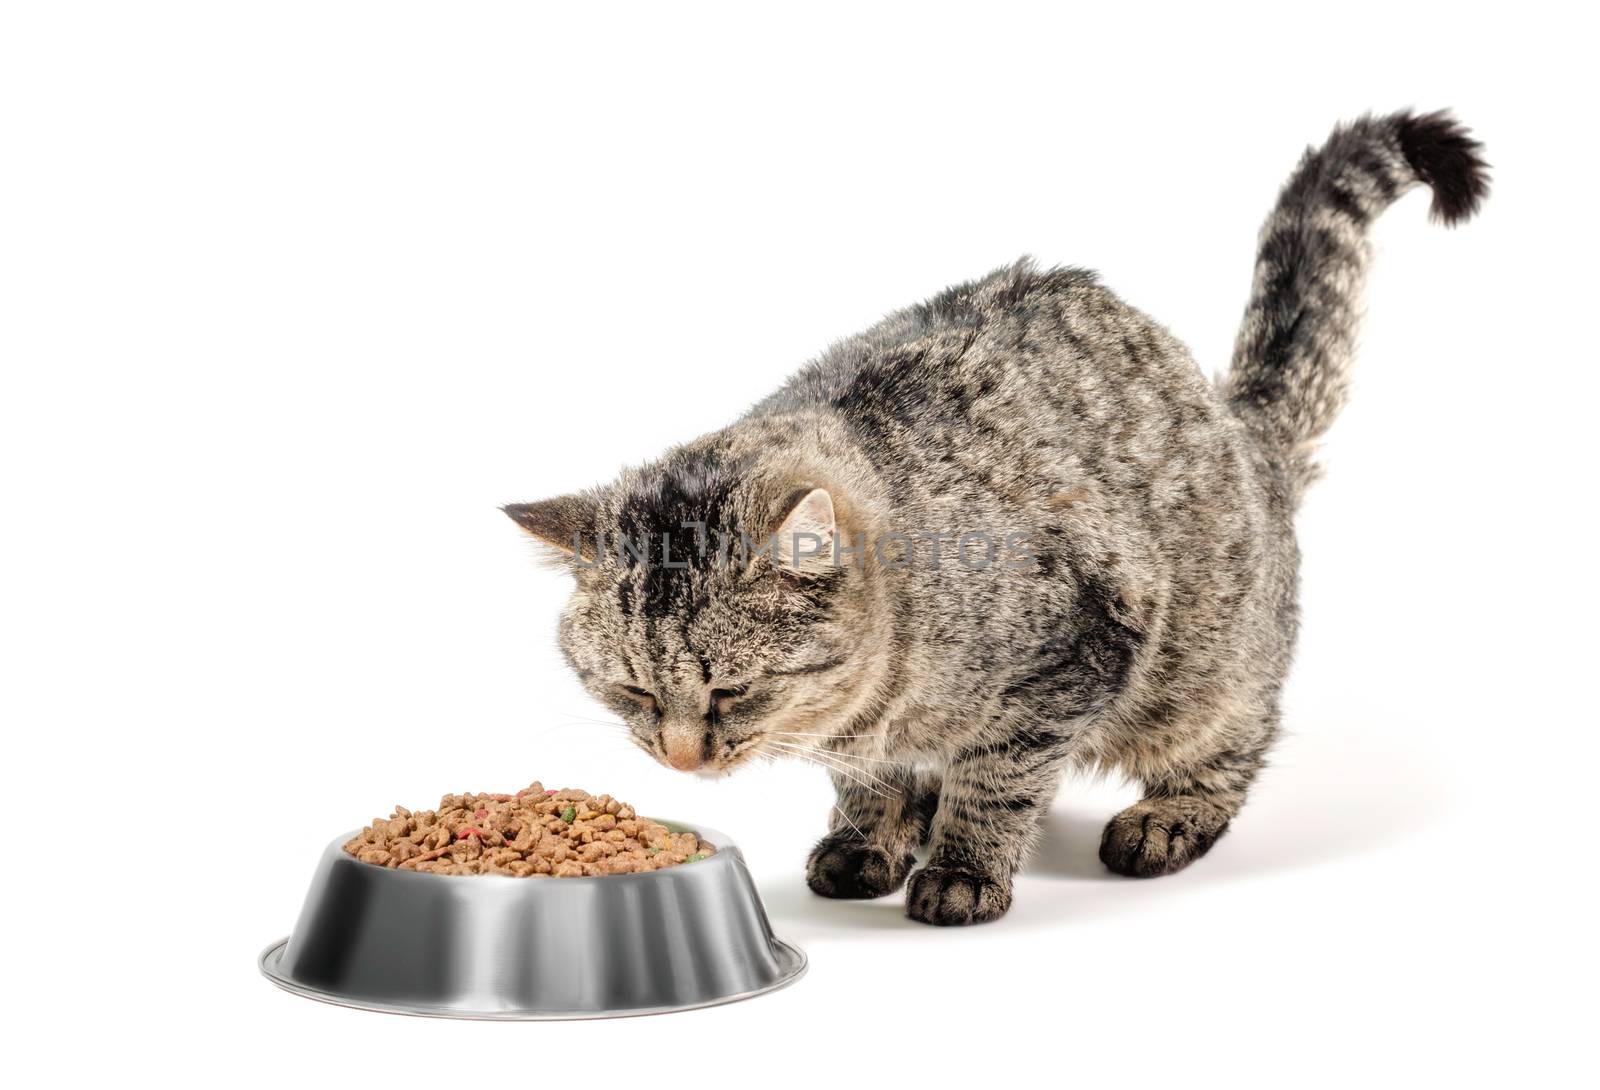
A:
{"x":535,"y":833}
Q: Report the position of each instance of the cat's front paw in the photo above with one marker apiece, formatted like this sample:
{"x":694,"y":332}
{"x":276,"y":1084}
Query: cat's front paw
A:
{"x":848,"y":868}
{"x":1159,"y":836}
{"x":948,"y":897}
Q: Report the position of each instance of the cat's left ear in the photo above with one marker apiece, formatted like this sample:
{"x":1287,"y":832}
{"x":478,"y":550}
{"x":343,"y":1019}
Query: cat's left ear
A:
{"x":568,"y":523}
{"x":805,"y":539}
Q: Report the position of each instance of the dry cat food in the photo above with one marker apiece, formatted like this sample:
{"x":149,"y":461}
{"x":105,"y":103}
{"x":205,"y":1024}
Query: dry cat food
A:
{"x":567,"y":834}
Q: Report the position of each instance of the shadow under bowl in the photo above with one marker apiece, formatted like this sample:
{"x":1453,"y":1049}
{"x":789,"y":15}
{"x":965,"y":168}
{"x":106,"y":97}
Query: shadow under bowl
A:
{"x":489,"y":946}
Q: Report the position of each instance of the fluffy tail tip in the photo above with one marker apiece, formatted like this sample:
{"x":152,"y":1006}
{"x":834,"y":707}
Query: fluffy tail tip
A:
{"x":1444,"y":155}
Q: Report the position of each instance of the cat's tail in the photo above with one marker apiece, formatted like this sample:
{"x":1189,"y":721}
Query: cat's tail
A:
{"x":1291,"y":363}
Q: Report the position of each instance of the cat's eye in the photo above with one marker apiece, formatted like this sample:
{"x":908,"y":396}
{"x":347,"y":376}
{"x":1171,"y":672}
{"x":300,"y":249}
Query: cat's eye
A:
{"x":643,"y":697}
{"x":723,"y":700}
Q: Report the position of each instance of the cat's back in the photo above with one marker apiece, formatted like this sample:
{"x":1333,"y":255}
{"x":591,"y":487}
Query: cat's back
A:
{"x":1045,"y":375}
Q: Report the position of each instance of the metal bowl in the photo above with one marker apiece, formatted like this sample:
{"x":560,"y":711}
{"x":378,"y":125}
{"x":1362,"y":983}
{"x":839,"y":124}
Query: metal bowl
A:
{"x":488,"y":946}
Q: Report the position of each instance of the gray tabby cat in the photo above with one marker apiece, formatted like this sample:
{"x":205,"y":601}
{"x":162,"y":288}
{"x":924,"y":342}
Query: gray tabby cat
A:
{"x":1015,"y":530}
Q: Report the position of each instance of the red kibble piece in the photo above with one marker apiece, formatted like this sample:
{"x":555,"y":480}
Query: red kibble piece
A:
{"x":468,"y":830}
{"x":480,"y":812}
{"x":550,"y":791}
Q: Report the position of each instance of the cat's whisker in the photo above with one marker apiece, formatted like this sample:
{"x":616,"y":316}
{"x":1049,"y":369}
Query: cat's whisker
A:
{"x":887,"y":787}
{"x":847,"y":774}
{"x":849,"y":757}
{"x":802,"y":734}
{"x":823,"y":761}
{"x":816,"y":757}
{"x":597,"y":722}
{"x":852,"y":824}
{"x":864,"y":757}
{"x":546,"y":730}
{"x":850,"y":772}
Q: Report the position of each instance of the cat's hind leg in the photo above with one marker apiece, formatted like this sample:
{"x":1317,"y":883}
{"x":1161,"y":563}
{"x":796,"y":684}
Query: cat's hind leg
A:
{"x":872,"y":831}
{"x":1192,"y":791}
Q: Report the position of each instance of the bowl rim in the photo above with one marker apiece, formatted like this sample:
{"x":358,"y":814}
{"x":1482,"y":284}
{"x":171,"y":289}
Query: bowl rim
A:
{"x":719,"y":841}
{"x":793,"y":960}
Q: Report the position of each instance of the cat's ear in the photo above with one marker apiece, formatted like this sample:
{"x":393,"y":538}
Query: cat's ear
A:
{"x":804,"y":541}
{"x":567,"y":523}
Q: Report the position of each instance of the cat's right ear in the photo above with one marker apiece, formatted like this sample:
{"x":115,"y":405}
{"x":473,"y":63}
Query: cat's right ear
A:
{"x":567,"y":523}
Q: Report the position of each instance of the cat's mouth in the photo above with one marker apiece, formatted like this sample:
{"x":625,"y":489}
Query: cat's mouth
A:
{"x":771,"y":745}
{"x":714,"y":761}
{"x":743,"y":752}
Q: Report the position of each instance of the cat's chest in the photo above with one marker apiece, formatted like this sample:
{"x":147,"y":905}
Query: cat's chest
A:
{"x":928,"y":733}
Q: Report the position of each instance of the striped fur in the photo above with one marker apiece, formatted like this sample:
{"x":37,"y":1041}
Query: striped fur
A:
{"x":1291,"y":362}
{"x":1148,"y":627}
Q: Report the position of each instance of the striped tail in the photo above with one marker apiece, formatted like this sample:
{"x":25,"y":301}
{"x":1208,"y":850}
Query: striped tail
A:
{"x":1291,"y":363}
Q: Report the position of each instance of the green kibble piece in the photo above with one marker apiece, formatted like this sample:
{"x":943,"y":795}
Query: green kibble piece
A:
{"x":695,"y":858}
{"x":569,"y":815}
{"x":652,"y":851}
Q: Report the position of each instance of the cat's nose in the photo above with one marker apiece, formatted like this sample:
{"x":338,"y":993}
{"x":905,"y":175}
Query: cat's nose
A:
{"x":684,"y":744}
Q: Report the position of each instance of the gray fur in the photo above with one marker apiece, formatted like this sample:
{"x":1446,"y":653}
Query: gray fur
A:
{"x":1149,"y":629}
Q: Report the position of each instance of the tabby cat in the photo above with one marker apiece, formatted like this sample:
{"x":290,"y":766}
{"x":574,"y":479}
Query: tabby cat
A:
{"x":1004,"y":532}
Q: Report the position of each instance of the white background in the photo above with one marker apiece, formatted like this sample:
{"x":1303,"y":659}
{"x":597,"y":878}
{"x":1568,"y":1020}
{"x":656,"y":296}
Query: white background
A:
{"x":294,"y":295}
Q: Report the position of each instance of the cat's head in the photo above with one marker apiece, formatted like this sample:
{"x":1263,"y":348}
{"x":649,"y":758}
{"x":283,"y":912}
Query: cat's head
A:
{"x":710,"y":610}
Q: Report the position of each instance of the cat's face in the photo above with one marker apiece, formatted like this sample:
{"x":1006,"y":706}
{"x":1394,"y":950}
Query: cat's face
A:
{"x":710,"y":652}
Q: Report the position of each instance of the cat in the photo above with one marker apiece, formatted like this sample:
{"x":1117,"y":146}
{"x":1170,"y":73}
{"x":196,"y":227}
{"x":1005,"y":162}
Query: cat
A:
{"x":1002,"y":533}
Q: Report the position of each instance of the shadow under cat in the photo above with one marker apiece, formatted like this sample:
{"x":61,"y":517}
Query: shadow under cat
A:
{"x":1328,"y":797}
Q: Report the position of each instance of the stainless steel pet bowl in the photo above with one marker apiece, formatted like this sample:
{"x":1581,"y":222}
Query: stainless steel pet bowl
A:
{"x":526,"y":948}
